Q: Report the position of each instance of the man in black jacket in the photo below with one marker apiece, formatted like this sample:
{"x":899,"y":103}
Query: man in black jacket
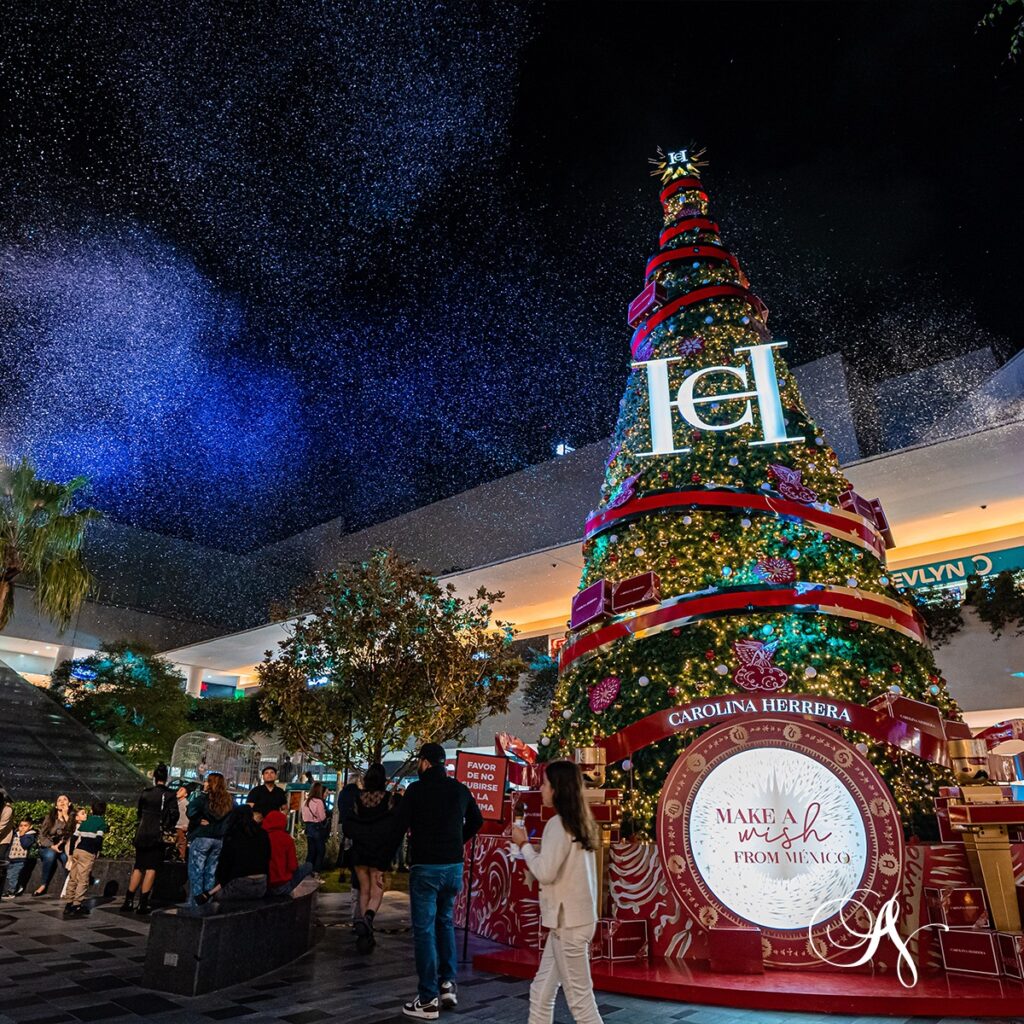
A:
{"x":441,"y":817}
{"x":156,"y":816}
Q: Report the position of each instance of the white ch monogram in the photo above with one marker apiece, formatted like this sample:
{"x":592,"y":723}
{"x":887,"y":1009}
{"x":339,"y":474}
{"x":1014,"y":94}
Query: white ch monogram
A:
{"x":681,"y":156}
{"x":765,"y":392}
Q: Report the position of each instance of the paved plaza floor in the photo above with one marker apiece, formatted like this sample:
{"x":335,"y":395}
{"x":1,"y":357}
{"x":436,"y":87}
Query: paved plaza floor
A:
{"x":54,"y":971}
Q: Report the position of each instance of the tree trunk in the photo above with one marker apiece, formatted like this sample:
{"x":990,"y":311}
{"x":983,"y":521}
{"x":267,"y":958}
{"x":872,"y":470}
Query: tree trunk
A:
{"x":6,"y":599}
{"x":335,"y":811}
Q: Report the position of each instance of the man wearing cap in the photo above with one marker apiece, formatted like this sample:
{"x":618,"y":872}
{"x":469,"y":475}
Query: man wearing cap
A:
{"x":268,"y":796}
{"x":441,"y":816}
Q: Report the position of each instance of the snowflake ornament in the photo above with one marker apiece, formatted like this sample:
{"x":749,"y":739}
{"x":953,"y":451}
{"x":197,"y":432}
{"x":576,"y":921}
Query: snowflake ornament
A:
{"x":775,"y":570}
{"x":691,"y":346}
{"x":602,"y":695}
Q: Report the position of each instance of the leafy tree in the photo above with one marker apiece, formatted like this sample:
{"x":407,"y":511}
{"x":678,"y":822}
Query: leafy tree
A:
{"x":132,"y":699}
{"x":235,"y":720}
{"x":998,"y":9}
{"x":541,"y":682}
{"x":41,"y":537}
{"x":389,"y":656}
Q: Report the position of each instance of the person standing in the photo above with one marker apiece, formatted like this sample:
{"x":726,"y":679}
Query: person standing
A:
{"x":268,"y":796}
{"x":53,"y":839}
{"x":6,"y":834}
{"x":21,"y":859}
{"x":181,"y":825}
{"x":156,"y":814}
{"x":441,"y":816}
{"x":566,"y":868}
{"x":88,"y":843}
{"x":314,"y":820}
{"x":373,"y":847}
{"x":209,"y":812}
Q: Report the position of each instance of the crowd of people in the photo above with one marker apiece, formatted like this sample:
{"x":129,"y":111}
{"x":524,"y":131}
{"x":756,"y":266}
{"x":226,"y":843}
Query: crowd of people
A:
{"x":238,"y":853}
{"x":69,"y":835}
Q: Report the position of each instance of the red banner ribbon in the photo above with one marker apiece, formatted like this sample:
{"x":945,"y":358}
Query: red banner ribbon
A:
{"x":714,"y":291}
{"x":689,"y":608}
{"x":687,"y":225}
{"x":746,"y":707}
{"x":692,"y":252}
{"x":847,"y":525}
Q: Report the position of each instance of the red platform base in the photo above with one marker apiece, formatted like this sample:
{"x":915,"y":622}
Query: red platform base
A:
{"x":799,"y":991}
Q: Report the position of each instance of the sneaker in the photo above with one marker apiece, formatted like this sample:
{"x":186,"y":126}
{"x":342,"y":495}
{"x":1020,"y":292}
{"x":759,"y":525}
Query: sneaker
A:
{"x":449,"y":995}
{"x":8,"y":896}
{"x":422,"y":1011}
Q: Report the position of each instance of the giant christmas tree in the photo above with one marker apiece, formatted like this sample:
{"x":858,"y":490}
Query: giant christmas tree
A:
{"x":725,"y":512}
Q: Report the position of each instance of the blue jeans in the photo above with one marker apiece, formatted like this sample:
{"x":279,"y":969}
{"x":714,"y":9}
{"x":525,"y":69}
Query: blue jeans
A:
{"x":49,"y":857}
{"x":203,"y":854}
{"x":302,"y":872}
{"x":316,"y":845}
{"x":432,"y":892}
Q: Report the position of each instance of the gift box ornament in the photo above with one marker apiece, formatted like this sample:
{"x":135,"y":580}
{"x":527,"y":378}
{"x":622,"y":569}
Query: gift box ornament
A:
{"x":970,"y":951}
{"x":1011,"y":953}
{"x":590,"y":605}
{"x":636,"y":592}
{"x":623,"y":940}
{"x":735,"y":950}
{"x":957,"y":908}
{"x":651,"y":298}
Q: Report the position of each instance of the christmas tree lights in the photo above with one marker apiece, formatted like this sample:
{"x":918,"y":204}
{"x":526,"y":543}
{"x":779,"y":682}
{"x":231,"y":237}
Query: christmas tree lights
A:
{"x":724,"y":496}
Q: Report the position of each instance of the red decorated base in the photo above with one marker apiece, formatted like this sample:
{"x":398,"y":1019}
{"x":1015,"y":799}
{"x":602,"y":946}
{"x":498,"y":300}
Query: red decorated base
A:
{"x":691,"y":982}
{"x":505,"y":909}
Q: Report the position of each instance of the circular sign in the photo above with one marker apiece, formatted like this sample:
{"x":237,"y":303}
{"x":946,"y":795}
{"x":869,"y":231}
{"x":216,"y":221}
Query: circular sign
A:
{"x":776,"y":823}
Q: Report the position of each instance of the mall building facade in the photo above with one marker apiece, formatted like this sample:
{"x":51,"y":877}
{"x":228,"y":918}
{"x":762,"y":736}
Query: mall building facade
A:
{"x":942,"y":448}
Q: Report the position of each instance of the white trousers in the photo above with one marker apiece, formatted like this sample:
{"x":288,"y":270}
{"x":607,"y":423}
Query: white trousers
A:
{"x":565,"y":963}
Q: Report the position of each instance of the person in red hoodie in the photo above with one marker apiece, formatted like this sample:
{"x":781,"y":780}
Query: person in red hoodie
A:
{"x":285,"y":871}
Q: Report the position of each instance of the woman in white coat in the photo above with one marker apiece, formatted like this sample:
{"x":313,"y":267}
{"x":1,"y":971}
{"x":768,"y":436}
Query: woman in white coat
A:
{"x":566,"y":868}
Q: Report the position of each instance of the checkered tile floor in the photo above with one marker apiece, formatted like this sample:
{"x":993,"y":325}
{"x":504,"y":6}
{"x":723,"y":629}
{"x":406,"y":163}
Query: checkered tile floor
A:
{"x":54,"y":971}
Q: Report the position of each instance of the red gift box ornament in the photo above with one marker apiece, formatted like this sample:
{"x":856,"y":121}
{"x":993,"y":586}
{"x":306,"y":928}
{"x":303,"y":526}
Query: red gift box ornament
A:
{"x":790,"y":483}
{"x":651,"y":298}
{"x":775,"y":570}
{"x":602,"y":695}
{"x":636,"y":592}
{"x":756,"y":671}
{"x":591,"y":604}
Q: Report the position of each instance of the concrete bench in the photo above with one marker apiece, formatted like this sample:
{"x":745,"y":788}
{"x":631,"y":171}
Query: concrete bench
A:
{"x":193,"y":953}
{"x":111,"y":876}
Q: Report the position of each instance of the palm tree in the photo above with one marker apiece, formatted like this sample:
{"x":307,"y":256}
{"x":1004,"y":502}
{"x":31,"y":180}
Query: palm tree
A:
{"x":41,"y":537}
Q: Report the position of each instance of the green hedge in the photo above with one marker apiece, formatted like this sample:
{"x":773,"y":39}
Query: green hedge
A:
{"x":120,"y":825}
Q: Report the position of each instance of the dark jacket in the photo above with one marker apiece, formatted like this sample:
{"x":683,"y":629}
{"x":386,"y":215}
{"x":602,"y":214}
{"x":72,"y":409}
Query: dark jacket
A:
{"x":198,"y":811}
{"x":243,"y":853}
{"x":374,"y":839}
{"x":156,"y":814}
{"x":441,"y":817}
{"x":89,"y":834}
{"x":52,"y":832}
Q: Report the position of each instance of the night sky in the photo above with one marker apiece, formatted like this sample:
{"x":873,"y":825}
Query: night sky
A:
{"x":342,"y":259}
